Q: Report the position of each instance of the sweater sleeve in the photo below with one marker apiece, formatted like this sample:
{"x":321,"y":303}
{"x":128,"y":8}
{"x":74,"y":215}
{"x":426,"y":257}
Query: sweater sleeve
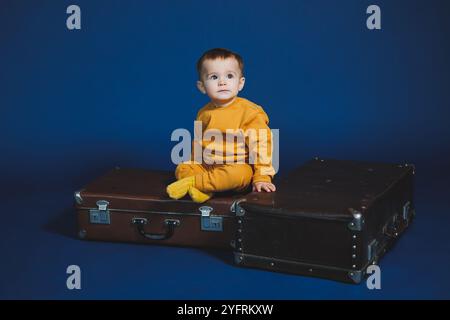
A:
{"x":259,"y":142}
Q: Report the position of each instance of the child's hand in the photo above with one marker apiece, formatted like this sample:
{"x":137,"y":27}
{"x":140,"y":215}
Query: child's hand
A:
{"x":266,"y":186}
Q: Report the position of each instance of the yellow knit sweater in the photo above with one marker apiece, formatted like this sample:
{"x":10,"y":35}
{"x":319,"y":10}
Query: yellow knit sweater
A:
{"x":238,"y":132}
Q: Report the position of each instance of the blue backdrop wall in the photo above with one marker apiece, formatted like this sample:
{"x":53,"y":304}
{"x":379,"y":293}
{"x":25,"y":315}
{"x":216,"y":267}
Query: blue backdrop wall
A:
{"x":75,"y":103}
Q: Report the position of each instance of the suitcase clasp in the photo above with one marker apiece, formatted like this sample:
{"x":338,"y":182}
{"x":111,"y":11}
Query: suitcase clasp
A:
{"x":100,"y":215}
{"x":205,"y":210}
{"x":208,"y":222}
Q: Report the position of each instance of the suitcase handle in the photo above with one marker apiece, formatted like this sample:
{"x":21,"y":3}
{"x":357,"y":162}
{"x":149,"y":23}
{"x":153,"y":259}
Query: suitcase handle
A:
{"x":394,"y":227}
{"x":170,"y":225}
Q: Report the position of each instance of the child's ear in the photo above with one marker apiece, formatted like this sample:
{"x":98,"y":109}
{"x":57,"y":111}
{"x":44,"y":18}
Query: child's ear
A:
{"x":201,"y":87}
{"x":241,"y":83}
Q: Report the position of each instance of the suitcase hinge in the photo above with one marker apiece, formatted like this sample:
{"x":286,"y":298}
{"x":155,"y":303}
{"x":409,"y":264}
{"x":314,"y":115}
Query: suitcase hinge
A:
{"x":101,"y":214}
{"x":208,"y":222}
{"x":372,"y":249}
{"x":408,"y":212}
{"x":358,"y":221}
{"x":237,"y":209}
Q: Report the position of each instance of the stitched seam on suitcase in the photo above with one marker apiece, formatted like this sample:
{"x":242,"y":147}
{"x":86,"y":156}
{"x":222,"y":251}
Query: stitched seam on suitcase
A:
{"x":306,"y":264}
{"x":155,"y":212}
{"x":278,"y":213}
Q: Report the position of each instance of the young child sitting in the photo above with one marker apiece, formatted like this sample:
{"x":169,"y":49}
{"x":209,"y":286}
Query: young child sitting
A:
{"x":221,"y":78}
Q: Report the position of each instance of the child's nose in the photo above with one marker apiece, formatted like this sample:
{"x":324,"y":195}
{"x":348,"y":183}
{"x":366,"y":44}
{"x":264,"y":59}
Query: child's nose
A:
{"x":222,"y":82}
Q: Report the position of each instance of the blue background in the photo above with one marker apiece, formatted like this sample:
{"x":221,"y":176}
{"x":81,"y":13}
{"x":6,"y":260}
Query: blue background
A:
{"x":73,"y":104}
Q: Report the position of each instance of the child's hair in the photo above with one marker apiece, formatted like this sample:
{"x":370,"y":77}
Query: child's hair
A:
{"x":221,"y":53}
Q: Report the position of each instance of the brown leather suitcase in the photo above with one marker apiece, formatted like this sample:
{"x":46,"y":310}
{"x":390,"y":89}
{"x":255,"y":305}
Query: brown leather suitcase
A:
{"x":328,"y":218}
{"x":131,"y":205}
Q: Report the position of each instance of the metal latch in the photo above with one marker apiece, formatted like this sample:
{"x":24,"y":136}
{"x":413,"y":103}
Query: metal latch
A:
{"x":100,"y":215}
{"x":208,"y":222}
{"x":372,"y":250}
{"x":237,"y":209}
{"x":358,"y":221}
{"x":406,"y":209}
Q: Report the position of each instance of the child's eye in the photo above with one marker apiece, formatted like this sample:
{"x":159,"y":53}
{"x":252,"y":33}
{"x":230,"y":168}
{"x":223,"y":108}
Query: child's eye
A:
{"x":213,"y":77}
{"x":230,"y":76}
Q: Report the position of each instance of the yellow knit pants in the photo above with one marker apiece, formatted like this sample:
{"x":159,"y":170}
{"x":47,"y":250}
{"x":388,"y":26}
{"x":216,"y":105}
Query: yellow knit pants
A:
{"x":218,"y":177}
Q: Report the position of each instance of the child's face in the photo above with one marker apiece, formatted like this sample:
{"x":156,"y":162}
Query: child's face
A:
{"x":221,"y":80}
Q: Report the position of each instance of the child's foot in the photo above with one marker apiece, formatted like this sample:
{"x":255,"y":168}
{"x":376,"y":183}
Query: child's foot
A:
{"x":179,"y":188}
{"x":198,"y":196}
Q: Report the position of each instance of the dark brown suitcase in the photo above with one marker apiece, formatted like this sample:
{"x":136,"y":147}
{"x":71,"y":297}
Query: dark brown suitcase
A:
{"x":329,"y":219}
{"x":131,"y":205}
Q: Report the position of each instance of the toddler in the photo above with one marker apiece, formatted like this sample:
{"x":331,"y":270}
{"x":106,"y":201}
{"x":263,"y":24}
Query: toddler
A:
{"x":221,"y":78}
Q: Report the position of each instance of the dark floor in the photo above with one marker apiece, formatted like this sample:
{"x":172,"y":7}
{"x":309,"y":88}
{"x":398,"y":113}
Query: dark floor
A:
{"x":39,"y":243}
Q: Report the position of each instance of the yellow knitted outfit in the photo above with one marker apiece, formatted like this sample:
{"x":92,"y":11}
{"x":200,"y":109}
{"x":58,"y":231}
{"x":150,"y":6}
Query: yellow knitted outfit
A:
{"x":220,"y":172}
